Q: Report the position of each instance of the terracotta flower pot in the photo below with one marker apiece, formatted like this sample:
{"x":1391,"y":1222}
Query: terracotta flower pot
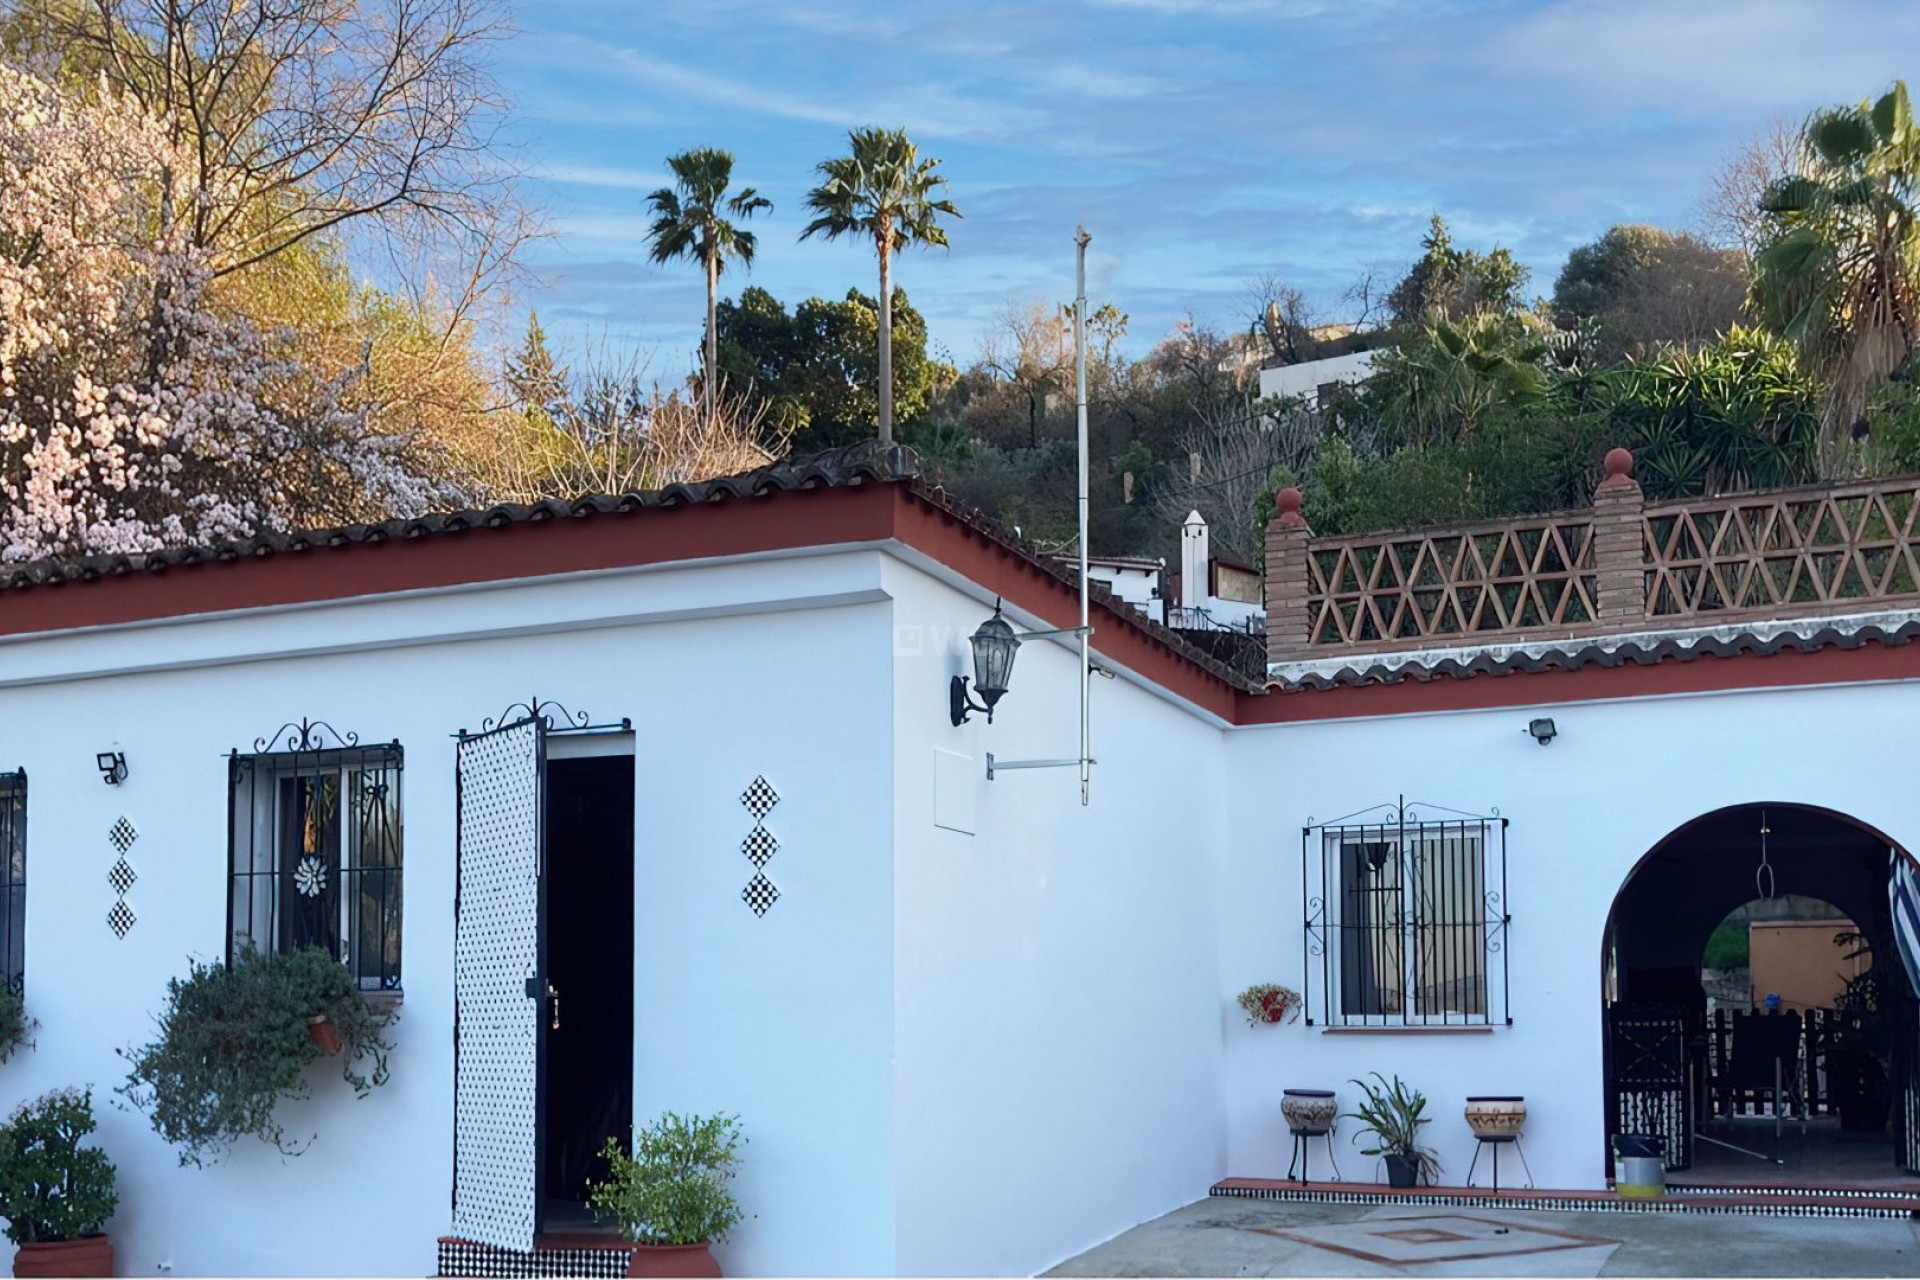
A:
{"x":671,"y":1260}
{"x":1496,"y":1117}
{"x":87,"y":1256}
{"x":320,"y":1027}
{"x":1276,"y":1008}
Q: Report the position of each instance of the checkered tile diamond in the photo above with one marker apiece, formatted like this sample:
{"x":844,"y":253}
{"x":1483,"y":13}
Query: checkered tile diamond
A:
{"x":120,"y":919}
{"x":121,"y":835}
{"x":760,"y":894}
{"x":760,"y":797}
{"x":121,"y":877}
{"x":759,"y":846}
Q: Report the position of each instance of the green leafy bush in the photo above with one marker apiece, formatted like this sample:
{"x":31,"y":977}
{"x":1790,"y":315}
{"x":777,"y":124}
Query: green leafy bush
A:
{"x":673,"y":1188}
{"x":15,"y":1025}
{"x":1394,"y":1115}
{"x":51,"y":1188}
{"x":233,"y":1041}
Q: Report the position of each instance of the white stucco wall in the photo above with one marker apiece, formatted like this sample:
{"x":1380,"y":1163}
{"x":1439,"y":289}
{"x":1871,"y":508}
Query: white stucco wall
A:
{"x":1620,"y":776}
{"x":727,"y":671}
{"x":1306,"y":379}
{"x":1058,"y":1038}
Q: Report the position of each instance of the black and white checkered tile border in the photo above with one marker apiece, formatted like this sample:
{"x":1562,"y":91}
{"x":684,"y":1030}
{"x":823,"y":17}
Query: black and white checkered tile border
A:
{"x":1829,"y":1193}
{"x":1577,"y":1204}
{"x":468,"y":1258}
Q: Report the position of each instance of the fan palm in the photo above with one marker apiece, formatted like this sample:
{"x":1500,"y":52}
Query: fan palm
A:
{"x":690,"y":220}
{"x":1842,"y":277}
{"x":881,"y":188}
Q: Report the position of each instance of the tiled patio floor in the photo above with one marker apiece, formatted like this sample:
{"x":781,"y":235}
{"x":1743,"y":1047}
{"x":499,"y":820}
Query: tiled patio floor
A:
{"x":1220,"y":1237}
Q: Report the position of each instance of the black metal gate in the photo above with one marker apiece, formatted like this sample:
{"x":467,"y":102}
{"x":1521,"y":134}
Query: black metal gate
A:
{"x":1650,"y":1070}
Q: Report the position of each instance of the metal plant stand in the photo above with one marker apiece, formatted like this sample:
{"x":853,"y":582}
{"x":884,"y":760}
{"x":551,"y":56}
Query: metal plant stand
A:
{"x":1497,"y":1142}
{"x":1310,"y":1114}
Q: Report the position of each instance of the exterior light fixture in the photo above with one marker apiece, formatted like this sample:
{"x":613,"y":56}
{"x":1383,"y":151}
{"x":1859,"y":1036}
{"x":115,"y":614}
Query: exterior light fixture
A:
{"x":995,"y":644}
{"x":112,"y":766}
{"x":1543,"y":730}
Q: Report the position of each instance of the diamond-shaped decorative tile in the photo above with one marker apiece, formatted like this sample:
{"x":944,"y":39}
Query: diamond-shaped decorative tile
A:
{"x":120,"y":919}
{"x":760,"y":797}
{"x":121,"y":835}
{"x":759,"y":846}
{"x":760,"y":894}
{"x":121,"y":877}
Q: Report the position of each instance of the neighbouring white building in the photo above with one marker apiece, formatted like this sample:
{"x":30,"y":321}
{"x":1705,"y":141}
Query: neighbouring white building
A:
{"x":686,"y":763}
{"x":1317,"y":380}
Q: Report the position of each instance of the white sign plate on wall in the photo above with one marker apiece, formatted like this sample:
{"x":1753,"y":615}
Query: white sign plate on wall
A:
{"x":956,"y":792}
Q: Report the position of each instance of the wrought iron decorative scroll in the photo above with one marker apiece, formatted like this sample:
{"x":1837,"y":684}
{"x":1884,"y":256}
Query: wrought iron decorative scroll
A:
{"x":1650,"y":1066}
{"x":1404,"y":917}
{"x":308,"y":735}
{"x":549,"y":713}
{"x":759,"y":847}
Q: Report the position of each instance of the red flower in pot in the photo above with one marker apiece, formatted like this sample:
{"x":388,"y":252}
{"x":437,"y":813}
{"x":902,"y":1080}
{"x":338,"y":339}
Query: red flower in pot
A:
{"x":1269,"y":1002}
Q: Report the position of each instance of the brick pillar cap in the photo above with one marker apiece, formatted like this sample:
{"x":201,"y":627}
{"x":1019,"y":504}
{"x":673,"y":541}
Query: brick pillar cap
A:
{"x":1619,"y":466}
{"x":1287,"y":503}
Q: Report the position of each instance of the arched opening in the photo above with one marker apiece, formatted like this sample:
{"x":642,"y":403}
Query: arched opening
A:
{"x":1758,"y":1016}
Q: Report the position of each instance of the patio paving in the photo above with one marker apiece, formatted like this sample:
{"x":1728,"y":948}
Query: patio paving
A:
{"x":1227,"y":1237}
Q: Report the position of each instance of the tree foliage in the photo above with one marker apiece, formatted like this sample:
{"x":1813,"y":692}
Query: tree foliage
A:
{"x":1452,"y":282}
{"x":816,"y":368}
{"x":133,"y":413}
{"x":1645,"y":289}
{"x":697,"y":219}
{"x":51,"y":1187}
{"x":1842,"y":278}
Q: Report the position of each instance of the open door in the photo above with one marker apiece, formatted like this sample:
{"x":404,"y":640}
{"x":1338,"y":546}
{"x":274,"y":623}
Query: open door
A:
{"x":499,"y":985}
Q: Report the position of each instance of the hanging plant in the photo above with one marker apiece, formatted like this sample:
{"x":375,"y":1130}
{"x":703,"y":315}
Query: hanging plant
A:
{"x":1268,"y":1002}
{"x":15,"y":1024}
{"x":235,"y":1039}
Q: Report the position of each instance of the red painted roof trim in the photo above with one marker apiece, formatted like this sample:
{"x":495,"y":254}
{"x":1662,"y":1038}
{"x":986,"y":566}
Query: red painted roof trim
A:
{"x":872,"y":512}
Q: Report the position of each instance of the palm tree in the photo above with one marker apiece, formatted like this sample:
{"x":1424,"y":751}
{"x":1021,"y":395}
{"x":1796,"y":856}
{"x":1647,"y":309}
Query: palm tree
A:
{"x":690,"y":221}
{"x":1842,"y":277}
{"x":881,"y":188}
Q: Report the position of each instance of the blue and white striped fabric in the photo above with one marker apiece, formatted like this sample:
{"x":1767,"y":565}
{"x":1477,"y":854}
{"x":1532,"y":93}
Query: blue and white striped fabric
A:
{"x":1903,"y":891}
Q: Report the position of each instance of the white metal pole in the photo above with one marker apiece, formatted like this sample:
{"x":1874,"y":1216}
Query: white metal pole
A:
{"x":1080,"y":239}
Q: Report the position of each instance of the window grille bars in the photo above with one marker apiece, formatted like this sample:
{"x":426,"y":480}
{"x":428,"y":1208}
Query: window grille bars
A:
{"x":315,"y":851}
{"x":13,"y":880}
{"x":1405,"y":918}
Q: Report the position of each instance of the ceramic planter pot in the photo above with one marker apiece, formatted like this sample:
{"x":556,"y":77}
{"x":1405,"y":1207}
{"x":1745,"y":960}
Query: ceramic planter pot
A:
{"x":671,"y":1260}
{"x":323,"y":1033}
{"x":1275,"y":1007}
{"x":1401,"y":1172}
{"x":1309,"y":1112}
{"x":87,"y":1256}
{"x":1496,"y":1118}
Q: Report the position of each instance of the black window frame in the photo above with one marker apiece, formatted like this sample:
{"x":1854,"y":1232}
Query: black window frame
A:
{"x":13,"y":880}
{"x":299,"y":875}
{"x":1406,"y":919}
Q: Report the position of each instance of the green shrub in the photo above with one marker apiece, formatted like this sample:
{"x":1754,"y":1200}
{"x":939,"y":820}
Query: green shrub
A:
{"x":51,"y":1188}
{"x":233,"y":1041}
{"x":1394,"y":1115}
{"x":673,"y":1188}
{"x":15,"y":1025}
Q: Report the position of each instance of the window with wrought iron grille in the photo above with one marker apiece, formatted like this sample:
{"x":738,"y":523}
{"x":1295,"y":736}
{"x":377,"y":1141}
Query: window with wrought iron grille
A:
{"x":316,"y":855}
{"x":1406,"y":919}
{"x":13,"y":880}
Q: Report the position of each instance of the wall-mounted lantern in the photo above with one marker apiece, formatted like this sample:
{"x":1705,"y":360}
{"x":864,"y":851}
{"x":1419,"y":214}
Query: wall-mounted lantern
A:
{"x":995,"y":645}
{"x":112,"y":766}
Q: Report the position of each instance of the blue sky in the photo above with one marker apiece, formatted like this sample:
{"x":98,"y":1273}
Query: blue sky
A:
{"x":1203,"y":142}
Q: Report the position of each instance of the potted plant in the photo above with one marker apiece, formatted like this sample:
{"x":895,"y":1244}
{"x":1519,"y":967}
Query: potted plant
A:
{"x":55,"y":1194}
{"x":15,"y":1024}
{"x":670,"y":1198}
{"x":1268,"y":1002}
{"x":236,"y":1038}
{"x":1394,"y":1115}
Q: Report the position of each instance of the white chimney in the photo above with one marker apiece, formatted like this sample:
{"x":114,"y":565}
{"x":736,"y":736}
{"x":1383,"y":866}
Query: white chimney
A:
{"x":1193,"y":562}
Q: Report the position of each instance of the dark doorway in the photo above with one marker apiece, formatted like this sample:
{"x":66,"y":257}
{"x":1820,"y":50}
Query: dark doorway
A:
{"x":1750,"y":1070}
{"x":588,"y":1087}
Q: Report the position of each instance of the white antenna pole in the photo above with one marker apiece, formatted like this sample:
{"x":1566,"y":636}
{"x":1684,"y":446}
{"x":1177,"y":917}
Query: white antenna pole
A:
{"x":1080,"y":240}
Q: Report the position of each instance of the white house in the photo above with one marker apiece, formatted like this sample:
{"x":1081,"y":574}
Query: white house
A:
{"x":1315,"y":380}
{"x":969,"y":1025}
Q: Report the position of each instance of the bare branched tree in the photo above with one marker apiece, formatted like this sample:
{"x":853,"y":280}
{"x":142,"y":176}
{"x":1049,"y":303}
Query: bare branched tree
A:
{"x":1730,"y":214}
{"x":310,"y":118}
{"x":1280,"y":317}
{"x":1233,"y":449}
